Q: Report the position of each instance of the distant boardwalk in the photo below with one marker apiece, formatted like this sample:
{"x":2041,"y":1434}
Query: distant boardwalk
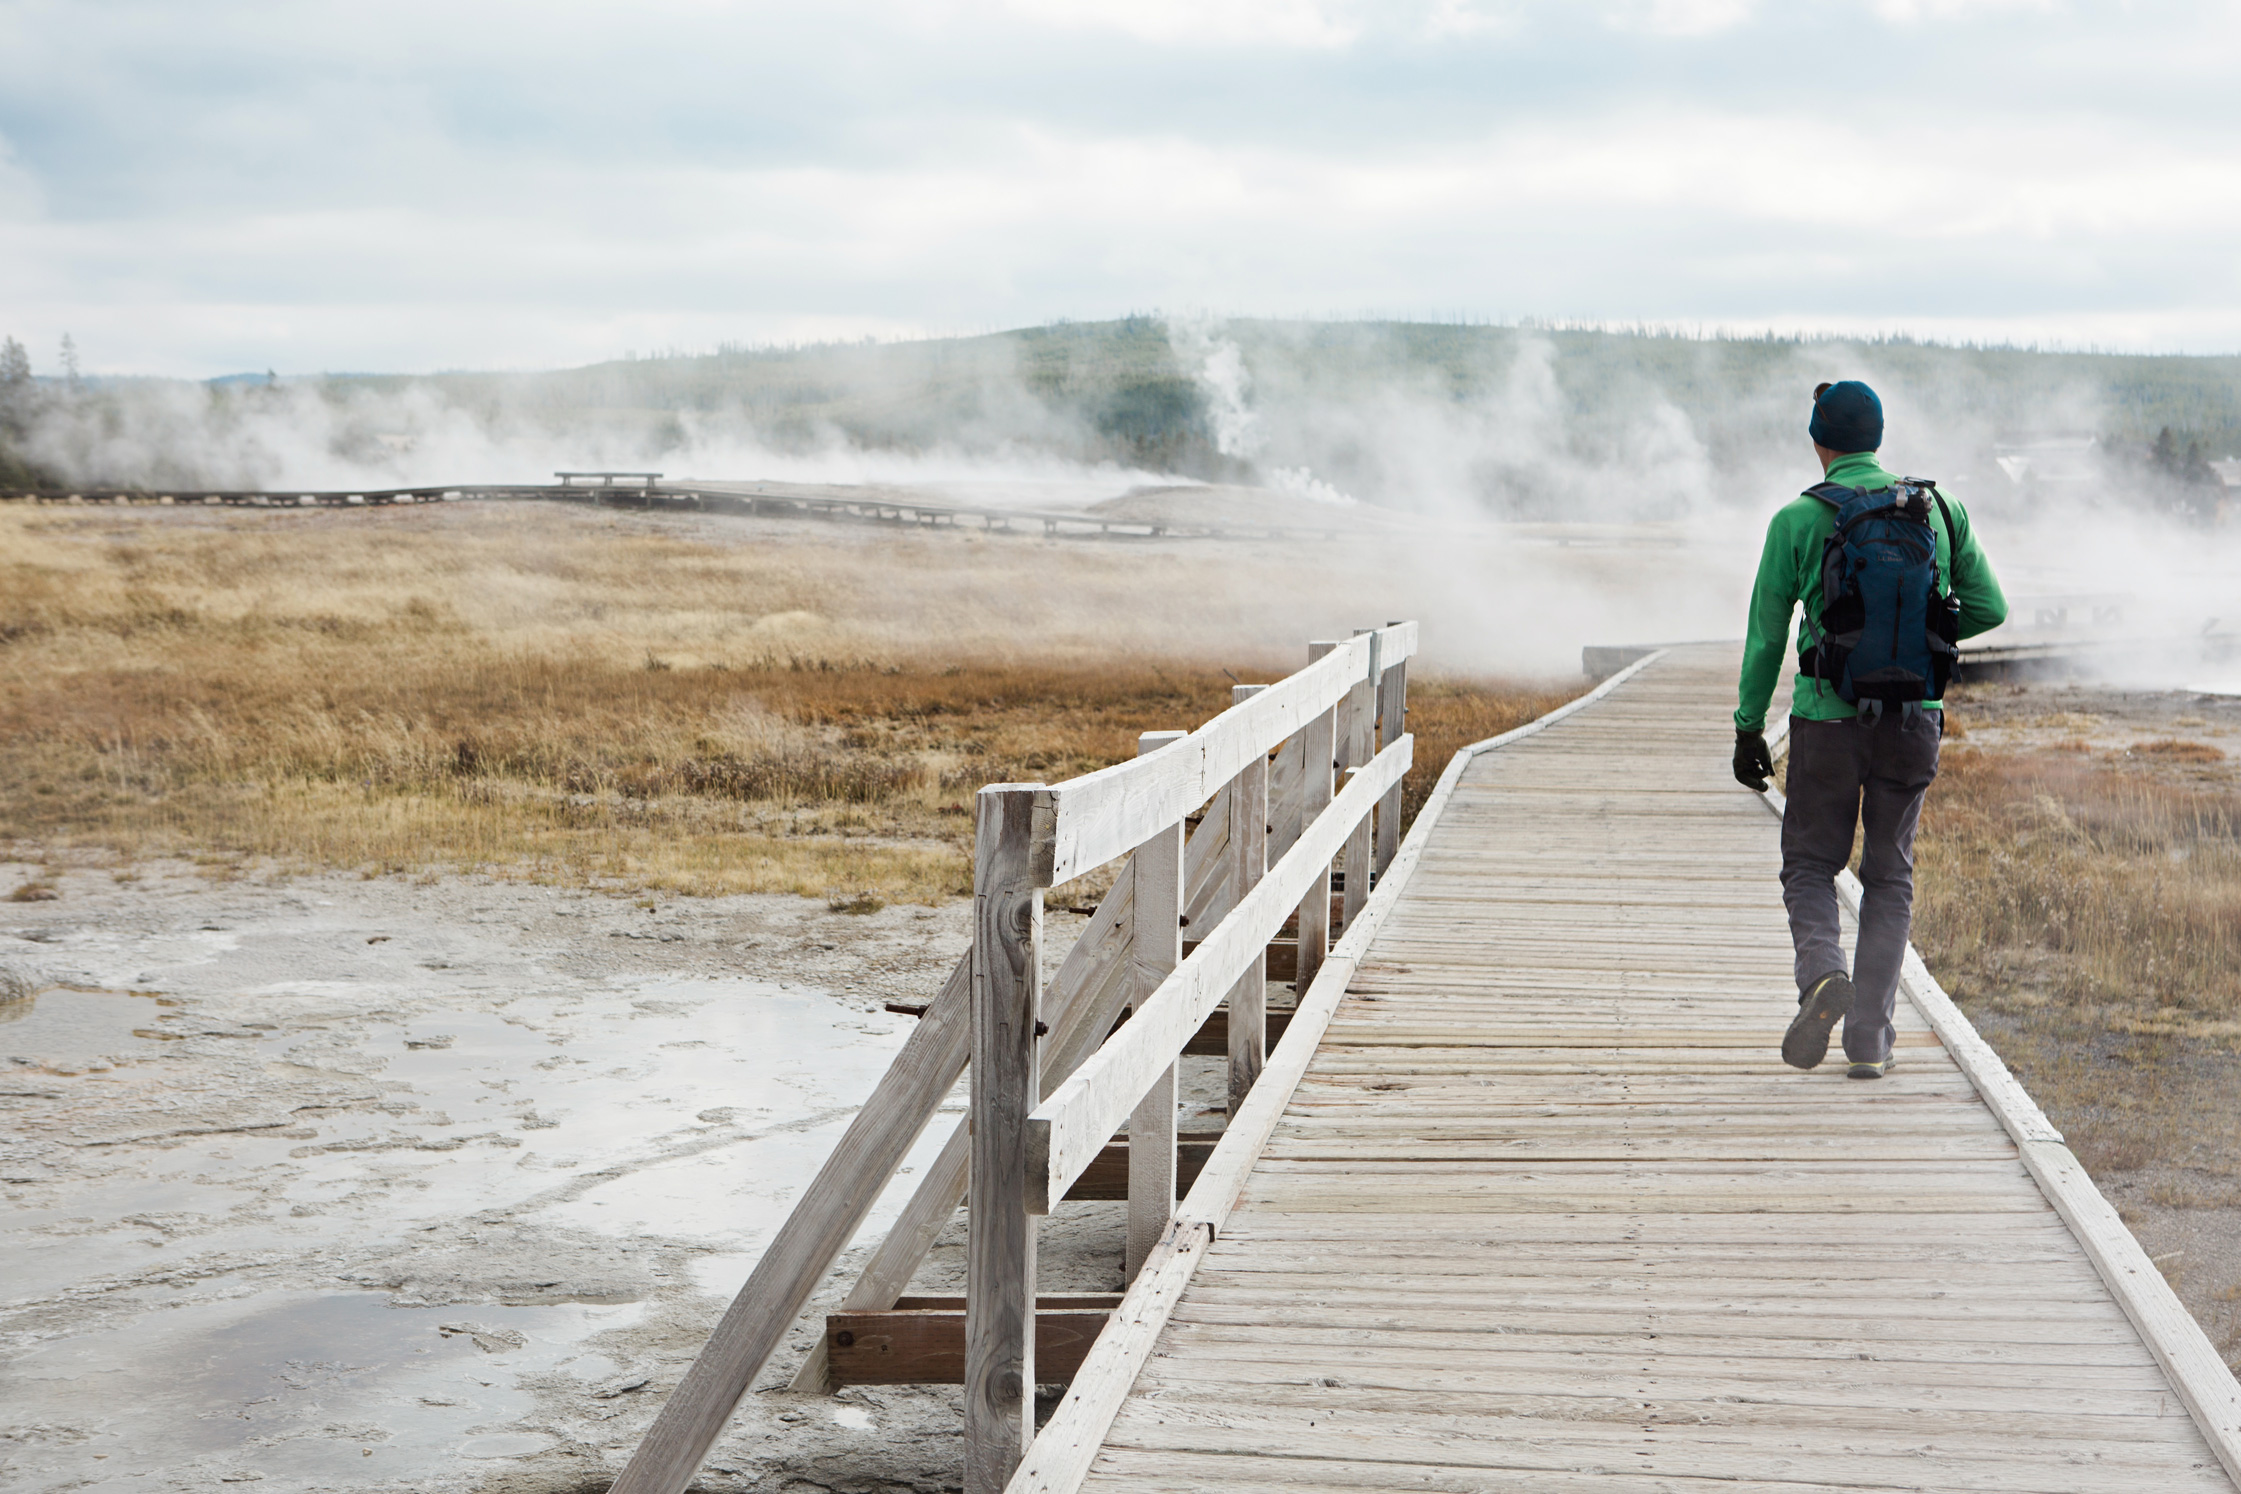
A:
{"x":1547,"y":1213}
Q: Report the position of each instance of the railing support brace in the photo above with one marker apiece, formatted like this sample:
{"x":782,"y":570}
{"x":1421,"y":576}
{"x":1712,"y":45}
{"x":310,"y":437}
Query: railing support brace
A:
{"x":1248,"y":849}
{"x":1319,"y":760}
{"x":1392,"y":723}
{"x":1155,"y":949}
{"x":1357,"y":729}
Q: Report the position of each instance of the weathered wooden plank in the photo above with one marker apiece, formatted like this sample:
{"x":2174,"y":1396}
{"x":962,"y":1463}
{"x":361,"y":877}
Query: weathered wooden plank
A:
{"x":1430,"y":1299}
{"x":1212,"y":1039}
{"x":1207,"y":890}
{"x":2118,"y":1418}
{"x":1107,"y":1178}
{"x":1392,"y":716}
{"x":1247,"y":1030}
{"x":1356,"y":744}
{"x":1895,"y":1278}
{"x":1155,"y":951}
{"x":1900,"y":1268}
{"x":920,"y":1342}
{"x":1000,"y":1247}
{"x":1198,"y":1473}
{"x":1090,"y":820}
{"x":1676,"y":1343}
{"x":1557,"y":1199}
{"x":1605,"y":1147}
{"x":1840,"y":1233}
{"x":1463,"y":1364}
{"x":1319,"y":747}
{"x":1279,"y":962}
{"x":1287,"y":780}
{"x":1175,"y":1471}
{"x":1708,"y":1178}
{"x":2006,"y":1465}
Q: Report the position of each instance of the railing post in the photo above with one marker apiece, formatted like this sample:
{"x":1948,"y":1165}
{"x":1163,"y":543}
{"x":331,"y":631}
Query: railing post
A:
{"x":1000,"y":1238}
{"x":1392,"y":723}
{"x":1357,"y":721}
{"x":1248,"y":850}
{"x":1318,"y":759}
{"x":1155,"y":949}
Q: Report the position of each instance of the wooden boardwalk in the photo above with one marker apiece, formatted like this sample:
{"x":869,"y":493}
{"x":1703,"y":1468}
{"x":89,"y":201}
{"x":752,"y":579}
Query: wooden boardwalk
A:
{"x":1547,"y":1213}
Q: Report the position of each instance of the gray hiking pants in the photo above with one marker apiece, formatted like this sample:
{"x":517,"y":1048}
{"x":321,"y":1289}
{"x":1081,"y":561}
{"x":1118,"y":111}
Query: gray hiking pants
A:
{"x":1869,"y":775}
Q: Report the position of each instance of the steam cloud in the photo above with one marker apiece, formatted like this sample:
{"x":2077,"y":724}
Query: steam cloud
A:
{"x":1494,"y":449}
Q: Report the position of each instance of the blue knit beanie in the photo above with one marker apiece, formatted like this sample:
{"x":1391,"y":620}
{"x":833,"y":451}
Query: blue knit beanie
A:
{"x":1847,"y":417}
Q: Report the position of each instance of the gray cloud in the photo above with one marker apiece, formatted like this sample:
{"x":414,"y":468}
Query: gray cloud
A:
{"x":197,"y":188}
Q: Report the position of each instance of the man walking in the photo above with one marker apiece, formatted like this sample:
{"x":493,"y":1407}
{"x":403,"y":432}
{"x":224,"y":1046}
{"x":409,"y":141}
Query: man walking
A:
{"x":1865,"y":715}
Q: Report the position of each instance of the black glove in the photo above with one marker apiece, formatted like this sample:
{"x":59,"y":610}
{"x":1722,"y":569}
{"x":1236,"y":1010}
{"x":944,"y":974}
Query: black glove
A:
{"x":1754,"y":765}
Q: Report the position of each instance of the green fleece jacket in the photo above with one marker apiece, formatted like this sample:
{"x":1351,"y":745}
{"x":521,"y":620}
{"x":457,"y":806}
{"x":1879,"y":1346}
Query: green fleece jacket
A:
{"x":1790,"y":573}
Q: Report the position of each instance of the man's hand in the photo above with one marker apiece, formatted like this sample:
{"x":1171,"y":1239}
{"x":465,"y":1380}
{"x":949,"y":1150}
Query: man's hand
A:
{"x":1754,"y":765}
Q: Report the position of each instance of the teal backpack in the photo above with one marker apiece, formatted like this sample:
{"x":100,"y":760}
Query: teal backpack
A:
{"x":1889,"y":627}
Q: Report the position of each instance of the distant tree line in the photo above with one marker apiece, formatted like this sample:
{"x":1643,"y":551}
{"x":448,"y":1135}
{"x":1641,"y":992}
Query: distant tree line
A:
{"x":2173,"y":473}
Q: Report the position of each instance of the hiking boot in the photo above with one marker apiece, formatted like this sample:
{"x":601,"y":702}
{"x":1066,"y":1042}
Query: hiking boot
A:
{"x":1862,"y":1070}
{"x":1818,"y":1012}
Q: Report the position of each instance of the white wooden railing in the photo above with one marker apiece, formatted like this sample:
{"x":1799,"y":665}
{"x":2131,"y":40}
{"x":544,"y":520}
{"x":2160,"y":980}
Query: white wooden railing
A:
{"x":1028,"y":1147}
{"x":1054,"y":1077}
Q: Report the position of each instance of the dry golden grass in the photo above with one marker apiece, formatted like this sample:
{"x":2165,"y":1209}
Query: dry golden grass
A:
{"x":2085,"y":908}
{"x":545,"y":694}
{"x":2088,"y":879}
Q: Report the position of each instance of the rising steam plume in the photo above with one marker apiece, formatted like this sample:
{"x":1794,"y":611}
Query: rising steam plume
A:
{"x":1439,"y":424}
{"x":1507,"y":421}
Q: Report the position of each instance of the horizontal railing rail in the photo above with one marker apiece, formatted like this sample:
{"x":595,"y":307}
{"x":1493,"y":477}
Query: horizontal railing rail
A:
{"x":1088,"y":821}
{"x":1066,"y":1132}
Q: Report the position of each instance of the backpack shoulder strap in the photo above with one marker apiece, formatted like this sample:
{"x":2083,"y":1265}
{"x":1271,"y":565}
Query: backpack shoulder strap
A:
{"x":1834,"y":494}
{"x":1952,"y":540}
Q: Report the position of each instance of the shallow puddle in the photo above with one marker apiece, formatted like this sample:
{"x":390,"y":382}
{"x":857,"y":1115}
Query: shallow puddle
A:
{"x":66,"y":1030}
{"x":299,"y":1387}
{"x":485,"y":1159}
{"x":674,"y":1106}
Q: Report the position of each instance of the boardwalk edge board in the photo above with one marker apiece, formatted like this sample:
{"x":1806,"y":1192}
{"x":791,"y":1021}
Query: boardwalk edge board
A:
{"x":2197,"y":1373}
{"x":1059,"y":1459}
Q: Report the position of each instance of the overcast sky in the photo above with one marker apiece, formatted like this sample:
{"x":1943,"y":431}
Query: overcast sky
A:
{"x":198,"y":188}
